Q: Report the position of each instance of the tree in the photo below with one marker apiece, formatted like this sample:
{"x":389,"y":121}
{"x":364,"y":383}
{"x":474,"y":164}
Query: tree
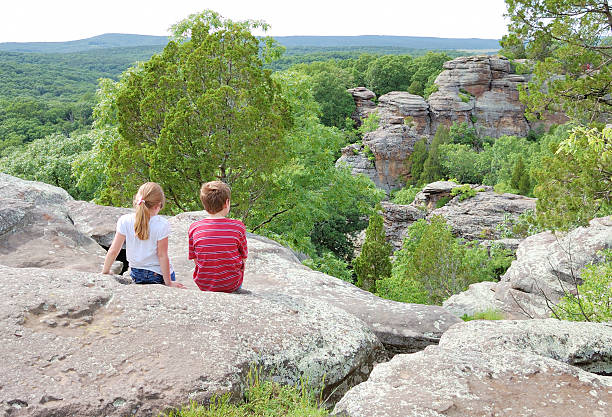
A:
{"x":433,"y":265}
{"x":572,"y":40}
{"x":417,"y":160}
{"x":432,"y":168}
{"x":389,"y":73}
{"x":520,"y":177}
{"x":574,"y":182}
{"x":373,"y":263}
{"x":203,"y":109}
{"x":50,"y":160}
{"x":329,"y":87}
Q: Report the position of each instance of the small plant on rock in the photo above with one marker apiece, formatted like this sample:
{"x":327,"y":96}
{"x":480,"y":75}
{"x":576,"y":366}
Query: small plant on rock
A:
{"x":464,"y":192}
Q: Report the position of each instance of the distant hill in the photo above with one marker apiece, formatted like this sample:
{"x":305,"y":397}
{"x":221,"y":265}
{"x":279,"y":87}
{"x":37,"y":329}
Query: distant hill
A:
{"x":116,"y":40}
{"x":108,"y":40}
{"x":412,"y":42}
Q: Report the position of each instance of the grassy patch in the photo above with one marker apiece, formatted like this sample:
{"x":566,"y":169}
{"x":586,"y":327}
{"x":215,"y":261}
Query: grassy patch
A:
{"x":262,"y":398}
{"x":484,"y":315}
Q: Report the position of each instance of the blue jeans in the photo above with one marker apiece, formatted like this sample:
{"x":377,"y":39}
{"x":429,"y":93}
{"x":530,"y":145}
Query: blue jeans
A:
{"x":144,"y":276}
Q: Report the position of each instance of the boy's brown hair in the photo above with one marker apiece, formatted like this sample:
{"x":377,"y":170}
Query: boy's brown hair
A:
{"x":213,"y":195}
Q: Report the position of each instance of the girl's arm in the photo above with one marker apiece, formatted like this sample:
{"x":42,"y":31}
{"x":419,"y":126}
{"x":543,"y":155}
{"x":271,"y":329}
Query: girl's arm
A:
{"x":113,"y":251}
{"x":164,"y":263}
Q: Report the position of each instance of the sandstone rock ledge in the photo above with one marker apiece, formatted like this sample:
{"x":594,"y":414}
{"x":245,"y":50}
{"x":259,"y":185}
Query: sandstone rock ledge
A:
{"x":81,"y":344}
{"x":505,"y":369}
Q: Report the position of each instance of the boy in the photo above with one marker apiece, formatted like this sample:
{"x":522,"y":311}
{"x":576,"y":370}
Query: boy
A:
{"x":217,"y":245}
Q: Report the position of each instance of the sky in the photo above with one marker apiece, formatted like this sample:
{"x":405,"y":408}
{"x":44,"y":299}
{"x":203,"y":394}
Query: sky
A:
{"x":63,"y":20}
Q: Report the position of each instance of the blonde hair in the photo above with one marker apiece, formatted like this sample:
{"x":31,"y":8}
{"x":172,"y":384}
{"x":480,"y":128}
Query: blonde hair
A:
{"x":149,"y":195}
{"x":213,"y":195}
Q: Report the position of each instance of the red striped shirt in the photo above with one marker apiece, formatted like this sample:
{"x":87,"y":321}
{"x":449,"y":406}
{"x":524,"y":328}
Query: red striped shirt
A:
{"x":219,"y":247}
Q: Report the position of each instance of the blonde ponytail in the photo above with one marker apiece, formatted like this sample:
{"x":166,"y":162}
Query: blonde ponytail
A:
{"x":149,"y":196}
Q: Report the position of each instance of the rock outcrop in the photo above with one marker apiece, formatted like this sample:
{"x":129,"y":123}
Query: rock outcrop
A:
{"x":36,"y":229}
{"x":474,"y":218}
{"x":81,"y":343}
{"x":273,"y":269}
{"x":542,"y":368}
{"x":481,"y":91}
{"x":547,"y":267}
{"x":364,"y":103}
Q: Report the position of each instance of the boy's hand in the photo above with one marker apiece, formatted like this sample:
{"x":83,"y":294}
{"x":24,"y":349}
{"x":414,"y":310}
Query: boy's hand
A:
{"x":176,"y":285}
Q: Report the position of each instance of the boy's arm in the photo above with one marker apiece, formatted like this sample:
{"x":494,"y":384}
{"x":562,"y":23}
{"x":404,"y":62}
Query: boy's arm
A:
{"x":242,"y":248}
{"x":113,"y":251}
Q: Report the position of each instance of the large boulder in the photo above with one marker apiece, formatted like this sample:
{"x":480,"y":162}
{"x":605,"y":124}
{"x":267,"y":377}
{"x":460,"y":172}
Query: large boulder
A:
{"x":354,"y":158}
{"x":97,"y":222}
{"x":547,"y":267}
{"x":36,"y":229}
{"x":273,"y":269}
{"x":542,"y":368}
{"x":81,"y":344}
{"x":481,"y":91}
{"x":399,"y":107}
{"x":476,"y":218}
{"x":391,"y":145}
{"x":364,"y":103}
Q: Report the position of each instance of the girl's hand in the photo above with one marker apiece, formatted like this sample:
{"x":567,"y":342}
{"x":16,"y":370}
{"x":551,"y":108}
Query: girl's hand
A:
{"x":176,"y":285}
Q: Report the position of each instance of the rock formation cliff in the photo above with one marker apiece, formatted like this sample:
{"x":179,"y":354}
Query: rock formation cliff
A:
{"x":481,"y":91}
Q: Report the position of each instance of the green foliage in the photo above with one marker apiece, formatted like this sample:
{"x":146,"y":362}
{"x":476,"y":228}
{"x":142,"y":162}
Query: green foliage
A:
{"x":405,"y":195}
{"x":464,"y":192}
{"x":574,"y":183}
{"x":369,"y":154}
{"x":329,"y":87}
{"x":417,"y":160}
{"x":203,"y":109}
{"x":593,"y":298}
{"x":315,"y":207}
{"x":370,"y":123}
{"x":443,"y":201}
{"x":261,"y":399}
{"x":465,"y":97}
{"x":389,"y":73}
{"x":373,"y":263}
{"x":520,"y":227}
{"x":432,"y":167}
{"x":24,"y":119}
{"x":520,"y":177}
{"x":336,"y":234}
{"x":433,"y":265}
{"x":330,"y":264}
{"x":462,"y":133}
{"x":567,"y":38}
{"x":484,"y":315}
{"x":50,"y":160}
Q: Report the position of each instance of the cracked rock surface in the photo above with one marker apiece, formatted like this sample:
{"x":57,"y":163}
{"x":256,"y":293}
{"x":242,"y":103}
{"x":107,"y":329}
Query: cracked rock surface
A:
{"x":507,"y":369}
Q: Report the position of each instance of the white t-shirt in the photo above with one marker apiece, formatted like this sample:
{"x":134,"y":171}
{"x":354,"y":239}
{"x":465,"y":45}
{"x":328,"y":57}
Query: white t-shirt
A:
{"x":142,"y":254}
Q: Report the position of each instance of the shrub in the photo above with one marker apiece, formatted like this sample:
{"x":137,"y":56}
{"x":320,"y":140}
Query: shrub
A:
{"x":329,"y":264}
{"x":433,"y":265}
{"x":262,"y":398}
{"x":405,"y":195}
{"x":464,"y":192}
{"x":593,"y":298}
{"x":417,"y":160}
{"x":369,"y":124}
{"x":373,"y":263}
{"x":521,"y":227}
{"x":443,"y":201}
{"x":368,"y":153}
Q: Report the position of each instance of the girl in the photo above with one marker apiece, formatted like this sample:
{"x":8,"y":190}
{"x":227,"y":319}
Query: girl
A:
{"x":146,"y":237}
